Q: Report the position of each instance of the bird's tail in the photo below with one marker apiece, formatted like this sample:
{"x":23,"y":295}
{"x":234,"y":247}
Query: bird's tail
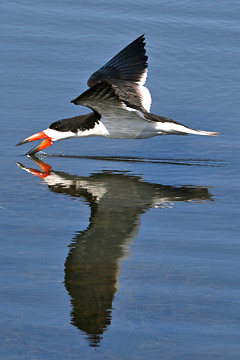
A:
{"x":166,"y":126}
{"x":174,"y":128}
{"x":200,"y":132}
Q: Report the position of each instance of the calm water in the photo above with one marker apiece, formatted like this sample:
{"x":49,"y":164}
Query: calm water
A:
{"x":120,"y":249}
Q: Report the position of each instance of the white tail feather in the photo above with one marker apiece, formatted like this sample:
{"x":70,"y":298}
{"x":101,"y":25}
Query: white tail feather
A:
{"x":174,"y":128}
{"x":202,"y":132}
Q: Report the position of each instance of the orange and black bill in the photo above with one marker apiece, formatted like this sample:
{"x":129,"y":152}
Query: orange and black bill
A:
{"x":39,"y":136}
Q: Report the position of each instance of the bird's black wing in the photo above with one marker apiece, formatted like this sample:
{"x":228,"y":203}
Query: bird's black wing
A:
{"x":127,"y":71}
{"x":130,"y":65}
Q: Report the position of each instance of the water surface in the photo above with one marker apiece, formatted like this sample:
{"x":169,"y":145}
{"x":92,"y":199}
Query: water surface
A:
{"x":112,"y":248}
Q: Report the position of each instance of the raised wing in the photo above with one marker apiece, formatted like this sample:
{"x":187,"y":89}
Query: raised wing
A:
{"x":127,"y":71}
{"x":100,"y":97}
{"x":130,"y":64}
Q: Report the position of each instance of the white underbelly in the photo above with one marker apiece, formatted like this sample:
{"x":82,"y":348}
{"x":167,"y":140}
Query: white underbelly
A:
{"x":128,"y":128}
{"x":123,"y":123}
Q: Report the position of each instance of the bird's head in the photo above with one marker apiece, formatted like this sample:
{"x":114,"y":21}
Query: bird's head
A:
{"x":56,"y":131}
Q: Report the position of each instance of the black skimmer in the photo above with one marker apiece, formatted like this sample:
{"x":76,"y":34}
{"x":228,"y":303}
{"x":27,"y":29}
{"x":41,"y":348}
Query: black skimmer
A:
{"x":120,"y":105}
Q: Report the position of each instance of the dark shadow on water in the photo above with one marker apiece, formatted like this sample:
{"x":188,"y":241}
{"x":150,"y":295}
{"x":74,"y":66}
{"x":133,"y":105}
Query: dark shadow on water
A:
{"x":117,"y":200}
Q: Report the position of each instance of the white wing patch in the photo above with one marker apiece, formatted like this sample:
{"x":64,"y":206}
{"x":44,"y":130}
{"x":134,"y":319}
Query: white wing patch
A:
{"x":143,"y":77}
{"x":146,"y":99}
{"x":145,"y":95}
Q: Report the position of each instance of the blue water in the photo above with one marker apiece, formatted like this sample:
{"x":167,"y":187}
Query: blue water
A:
{"x":114,"y":249}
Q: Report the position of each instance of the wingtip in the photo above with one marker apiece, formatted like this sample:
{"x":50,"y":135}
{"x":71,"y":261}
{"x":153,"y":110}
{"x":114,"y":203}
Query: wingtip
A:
{"x":208,"y":133}
{"x":129,"y":64}
{"x":143,"y":39}
{"x":214,"y":133}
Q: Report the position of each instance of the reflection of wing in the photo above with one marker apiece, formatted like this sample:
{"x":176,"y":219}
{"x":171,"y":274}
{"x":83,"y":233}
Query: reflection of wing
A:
{"x":92,"y":267}
{"x":127,"y":72}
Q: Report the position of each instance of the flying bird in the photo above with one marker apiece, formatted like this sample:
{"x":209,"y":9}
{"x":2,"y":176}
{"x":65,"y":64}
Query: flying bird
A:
{"x":120,"y":105}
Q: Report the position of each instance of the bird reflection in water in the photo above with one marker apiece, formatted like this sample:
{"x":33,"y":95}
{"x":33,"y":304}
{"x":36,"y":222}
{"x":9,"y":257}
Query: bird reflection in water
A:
{"x":117,"y":201}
